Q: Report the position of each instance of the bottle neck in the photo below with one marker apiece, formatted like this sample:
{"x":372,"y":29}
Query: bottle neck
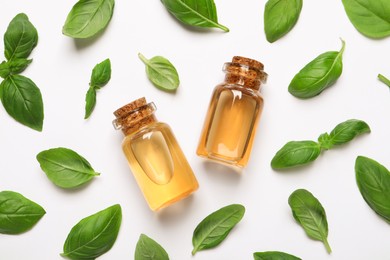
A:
{"x":244,"y":75}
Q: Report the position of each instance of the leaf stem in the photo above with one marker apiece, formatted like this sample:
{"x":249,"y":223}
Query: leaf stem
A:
{"x":194,"y":250}
{"x":384,"y":80}
{"x":142,"y":57}
{"x":222,"y":27}
{"x":343,"y":46}
{"x":327,"y":246}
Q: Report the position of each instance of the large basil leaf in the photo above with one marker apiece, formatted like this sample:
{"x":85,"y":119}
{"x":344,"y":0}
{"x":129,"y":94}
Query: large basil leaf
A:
{"x":22,"y":100}
{"x":94,"y":235}
{"x":161,"y":72}
{"x":280,"y":16}
{"x":370,"y":17}
{"x":148,"y":249}
{"x":274,"y":255}
{"x":17,"y":213}
{"x":296,"y":153}
{"x":88,"y":17}
{"x":20,"y":38}
{"x":212,"y":230}
{"x":384,"y":80}
{"x":310,"y":214}
{"x":373,"y":180}
{"x":65,"y":168}
{"x":201,"y":13}
{"x":346,"y":131}
{"x":317,"y":75}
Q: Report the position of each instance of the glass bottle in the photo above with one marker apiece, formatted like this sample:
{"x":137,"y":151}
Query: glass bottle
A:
{"x":233,"y":113}
{"x":155,"y":158}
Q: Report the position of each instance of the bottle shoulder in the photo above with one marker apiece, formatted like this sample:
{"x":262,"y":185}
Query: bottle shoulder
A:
{"x":155,"y":126}
{"x":238,"y":88}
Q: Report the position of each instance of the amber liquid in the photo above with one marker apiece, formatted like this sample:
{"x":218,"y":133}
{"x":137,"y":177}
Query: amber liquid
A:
{"x":230,"y":125}
{"x":159,"y":165}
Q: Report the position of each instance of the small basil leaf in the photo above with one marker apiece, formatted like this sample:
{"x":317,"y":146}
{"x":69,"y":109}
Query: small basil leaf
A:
{"x":274,"y":255}
{"x":212,"y":230}
{"x":325,"y":141}
{"x":346,"y":131}
{"x":317,"y":75}
{"x":20,"y":38}
{"x":22,"y":100}
{"x":90,"y":102}
{"x":161,"y":72}
{"x":4,"y":69}
{"x":88,"y":17}
{"x":310,"y":214}
{"x":373,"y":180}
{"x":384,"y":80}
{"x":280,"y":16}
{"x":65,"y":168}
{"x":101,"y":74}
{"x":296,"y":153}
{"x":13,"y":66}
{"x":201,"y":13}
{"x":370,"y":17}
{"x":94,"y":235}
{"x":148,"y":249}
{"x":17,"y":213}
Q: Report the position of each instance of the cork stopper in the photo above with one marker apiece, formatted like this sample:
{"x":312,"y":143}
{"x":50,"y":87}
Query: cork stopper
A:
{"x":248,"y":62}
{"x":134,"y":115}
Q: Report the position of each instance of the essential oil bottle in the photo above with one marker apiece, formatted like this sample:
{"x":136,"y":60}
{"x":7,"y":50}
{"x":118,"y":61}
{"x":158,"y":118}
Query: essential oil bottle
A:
{"x":233,"y":113}
{"x":155,"y":158}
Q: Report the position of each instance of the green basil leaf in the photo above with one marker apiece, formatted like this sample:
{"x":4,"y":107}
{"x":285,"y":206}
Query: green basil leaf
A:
{"x":65,"y":168}
{"x":274,"y":255}
{"x":201,"y":13}
{"x":212,"y":230}
{"x":317,"y":75}
{"x":161,"y":72}
{"x":14,"y":66}
{"x":296,"y":153}
{"x":346,"y":131}
{"x":384,"y":80}
{"x":101,"y":74}
{"x":4,"y":69}
{"x":88,"y":17}
{"x":370,"y":17}
{"x":17,"y":213}
{"x":90,"y":102}
{"x":94,"y":235}
{"x":280,"y":16}
{"x":20,"y":38}
{"x":22,"y":100}
{"x":310,"y":214}
{"x":373,"y":180}
{"x":148,"y":249}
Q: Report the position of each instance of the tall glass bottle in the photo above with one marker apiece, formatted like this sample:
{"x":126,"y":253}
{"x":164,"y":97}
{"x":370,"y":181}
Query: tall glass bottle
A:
{"x":155,"y":158}
{"x":233,"y":113}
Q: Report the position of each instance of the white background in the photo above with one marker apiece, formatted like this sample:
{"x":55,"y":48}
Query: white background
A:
{"x":62,"y":67}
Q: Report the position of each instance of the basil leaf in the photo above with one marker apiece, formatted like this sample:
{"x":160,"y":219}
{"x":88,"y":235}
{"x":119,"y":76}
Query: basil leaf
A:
{"x":94,"y":235}
{"x":201,"y":13}
{"x":317,"y":75}
{"x":280,"y":16}
{"x":14,"y":66}
{"x":310,"y":214}
{"x":88,"y":17}
{"x":148,"y":249}
{"x":161,"y":72}
{"x":4,"y":69}
{"x":22,"y":100}
{"x":101,"y":74}
{"x":20,"y":38}
{"x":17,"y":213}
{"x":274,"y":255}
{"x":370,"y":17}
{"x":373,"y":180}
{"x":212,"y":230}
{"x":90,"y":102}
{"x":65,"y":168}
{"x":296,"y":153}
{"x":384,"y":80}
{"x":346,"y":131}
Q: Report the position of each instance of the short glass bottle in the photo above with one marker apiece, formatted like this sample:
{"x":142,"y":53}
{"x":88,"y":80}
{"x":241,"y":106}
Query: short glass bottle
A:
{"x":155,"y":158}
{"x":233,"y":113}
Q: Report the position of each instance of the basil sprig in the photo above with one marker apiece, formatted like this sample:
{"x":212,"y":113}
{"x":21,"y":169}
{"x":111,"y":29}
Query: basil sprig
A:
{"x":212,"y":230}
{"x":373,"y":180}
{"x":19,"y":95}
{"x":310,"y":214}
{"x":17,"y":213}
{"x":200,"y":13}
{"x":274,"y":255}
{"x":297,"y":153}
{"x":101,"y":74}
{"x":317,"y":75}
{"x":280,"y":16}
{"x":94,"y":235}
{"x":148,"y":249}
